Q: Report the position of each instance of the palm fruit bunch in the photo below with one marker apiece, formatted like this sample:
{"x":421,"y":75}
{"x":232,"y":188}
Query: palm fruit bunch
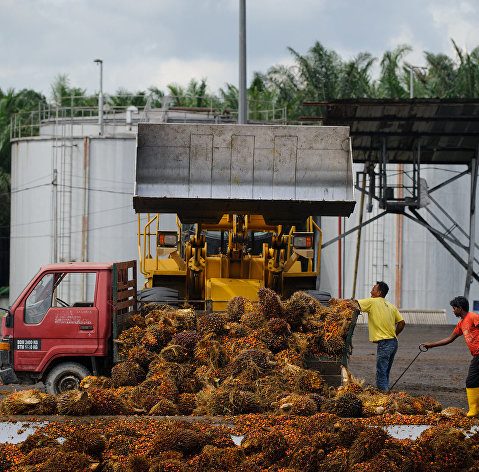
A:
{"x":298,"y":307}
{"x":37,"y":440}
{"x":278,"y":326}
{"x":82,"y":439}
{"x":92,"y":381}
{"x":347,"y":405}
{"x":407,"y":405}
{"x":184,"y":319}
{"x":187,"y":339}
{"x":299,"y":405}
{"x":158,"y":315}
{"x":367,"y":443}
{"x":238,"y":330}
{"x":274,"y":446}
{"x":29,"y":402}
{"x":34,"y":459}
{"x":270,"y":305}
{"x":210,"y":352}
{"x":289,"y":356}
{"x":254,"y":358}
{"x":127,"y":373}
{"x":430,"y":403}
{"x":186,"y":403}
{"x":179,"y":437}
{"x":174,"y":353}
{"x":128,"y":339}
{"x":157,"y":336}
{"x":318,"y":399}
{"x":243,"y":401}
{"x":316,"y":345}
{"x":273,"y":342}
{"x":147,"y":307}
{"x":62,"y":461}
{"x":239,"y":306}
{"x":160,"y":383}
{"x":218,"y":458}
{"x":140,"y":355}
{"x":211,"y":323}
{"x":334,"y":344}
{"x":253,"y":320}
{"x":106,"y":402}
{"x":307,"y":381}
{"x":163,"y":407}
{"x":73,"y":403}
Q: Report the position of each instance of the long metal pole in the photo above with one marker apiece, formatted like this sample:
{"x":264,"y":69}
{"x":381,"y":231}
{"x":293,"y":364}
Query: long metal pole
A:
{"x":472,"y":224}
{"x":100,"y":96}
{"x":242,"y":102}
{"x":358,"y":241}
{"x":100,"y":99}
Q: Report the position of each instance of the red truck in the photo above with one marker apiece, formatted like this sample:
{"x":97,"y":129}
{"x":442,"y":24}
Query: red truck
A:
{"x":50,"y":335}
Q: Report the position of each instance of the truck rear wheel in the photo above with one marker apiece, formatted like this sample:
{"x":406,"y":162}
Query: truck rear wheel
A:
{"x":65,"y":376}
{"x":158,"y":294}
{"x":320,"y":295}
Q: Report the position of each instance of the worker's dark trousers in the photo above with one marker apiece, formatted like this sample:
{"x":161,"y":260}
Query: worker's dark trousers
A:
{"x":387,"y":349}
{"x":472,"y":380}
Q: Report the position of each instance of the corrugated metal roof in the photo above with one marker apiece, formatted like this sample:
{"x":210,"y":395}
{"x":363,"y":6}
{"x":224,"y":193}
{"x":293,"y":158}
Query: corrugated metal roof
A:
{"x":447,"y":129}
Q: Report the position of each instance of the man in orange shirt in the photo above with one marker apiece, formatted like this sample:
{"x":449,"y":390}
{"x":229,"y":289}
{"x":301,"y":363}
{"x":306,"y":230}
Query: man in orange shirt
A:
{"x":469,"y":327}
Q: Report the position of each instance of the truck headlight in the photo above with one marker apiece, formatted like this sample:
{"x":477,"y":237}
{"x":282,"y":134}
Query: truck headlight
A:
{"x":303,"y":240}
{"x":167,"y":239}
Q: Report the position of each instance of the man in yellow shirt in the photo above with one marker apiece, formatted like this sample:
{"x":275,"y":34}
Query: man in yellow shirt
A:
{"x":385,"y":323}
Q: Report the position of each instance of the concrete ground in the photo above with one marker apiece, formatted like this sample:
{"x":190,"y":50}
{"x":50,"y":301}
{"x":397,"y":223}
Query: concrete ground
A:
{"x":440,"y":372}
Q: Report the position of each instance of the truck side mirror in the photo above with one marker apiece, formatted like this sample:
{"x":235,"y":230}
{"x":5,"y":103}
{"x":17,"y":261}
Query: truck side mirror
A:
{"x":8,"y":318}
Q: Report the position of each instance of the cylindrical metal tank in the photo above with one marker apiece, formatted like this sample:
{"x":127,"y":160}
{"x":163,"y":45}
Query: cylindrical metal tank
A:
{"x":72,"y":197}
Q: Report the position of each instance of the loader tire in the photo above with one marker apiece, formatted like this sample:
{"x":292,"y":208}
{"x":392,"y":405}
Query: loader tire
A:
{"x":321,"y":295}
{"x":159,"y":295}
{"x":65,"y":376}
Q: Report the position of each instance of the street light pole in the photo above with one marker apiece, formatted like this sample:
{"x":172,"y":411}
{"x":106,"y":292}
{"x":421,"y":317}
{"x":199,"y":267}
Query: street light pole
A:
{"x":100,"y":96}
{"x":242,"y":100}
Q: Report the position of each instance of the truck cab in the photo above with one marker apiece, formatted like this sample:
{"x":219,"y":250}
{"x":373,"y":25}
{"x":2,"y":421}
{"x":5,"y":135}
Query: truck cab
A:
{"x":61,"y":327}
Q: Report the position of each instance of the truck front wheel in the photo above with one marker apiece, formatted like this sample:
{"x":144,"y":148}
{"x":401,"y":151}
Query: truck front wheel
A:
{"x":65,"y":376}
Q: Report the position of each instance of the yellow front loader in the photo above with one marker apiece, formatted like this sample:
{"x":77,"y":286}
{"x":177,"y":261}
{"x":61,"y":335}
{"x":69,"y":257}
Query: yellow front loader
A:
{"x":243,"y":197}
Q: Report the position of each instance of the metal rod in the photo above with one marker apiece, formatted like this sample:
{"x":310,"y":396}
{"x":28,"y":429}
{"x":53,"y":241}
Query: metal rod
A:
{"x":100,"y":96}
{"x":242,"y":102}
{"x":352,"y":230}
{"x":358,"y":241}
{"x":419,"y":219}
{"x":472,"y":224}
{"x":446,"y":182}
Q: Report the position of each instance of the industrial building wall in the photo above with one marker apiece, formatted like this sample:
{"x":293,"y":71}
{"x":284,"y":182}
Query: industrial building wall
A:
{"x":431,"y":276}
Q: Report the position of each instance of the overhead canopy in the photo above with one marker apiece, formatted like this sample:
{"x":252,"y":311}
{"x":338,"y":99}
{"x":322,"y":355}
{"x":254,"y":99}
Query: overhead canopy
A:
{"x":446,"y":129}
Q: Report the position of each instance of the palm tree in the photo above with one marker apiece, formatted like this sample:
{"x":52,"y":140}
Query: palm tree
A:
{"x":441,"y":77}
{"x":63,"y":95}
{"x":319,"y":70}
{"x":391,"y":81}
{"x":285,"y":83}
{"x":355,"y":80}
{"x":467,"y":84}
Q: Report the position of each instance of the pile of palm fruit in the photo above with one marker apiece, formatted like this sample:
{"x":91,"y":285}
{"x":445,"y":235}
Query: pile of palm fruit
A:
{"x":322,"y":442}
{"x":246,"y":360}
{"x":247,"y":366}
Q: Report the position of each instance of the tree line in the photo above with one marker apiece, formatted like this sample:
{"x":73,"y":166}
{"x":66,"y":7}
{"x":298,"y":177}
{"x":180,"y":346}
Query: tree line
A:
{"x":318,"y":75}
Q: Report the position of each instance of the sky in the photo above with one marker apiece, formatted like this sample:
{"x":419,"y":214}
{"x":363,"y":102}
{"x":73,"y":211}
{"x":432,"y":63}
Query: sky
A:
{"x":145,"y":43}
